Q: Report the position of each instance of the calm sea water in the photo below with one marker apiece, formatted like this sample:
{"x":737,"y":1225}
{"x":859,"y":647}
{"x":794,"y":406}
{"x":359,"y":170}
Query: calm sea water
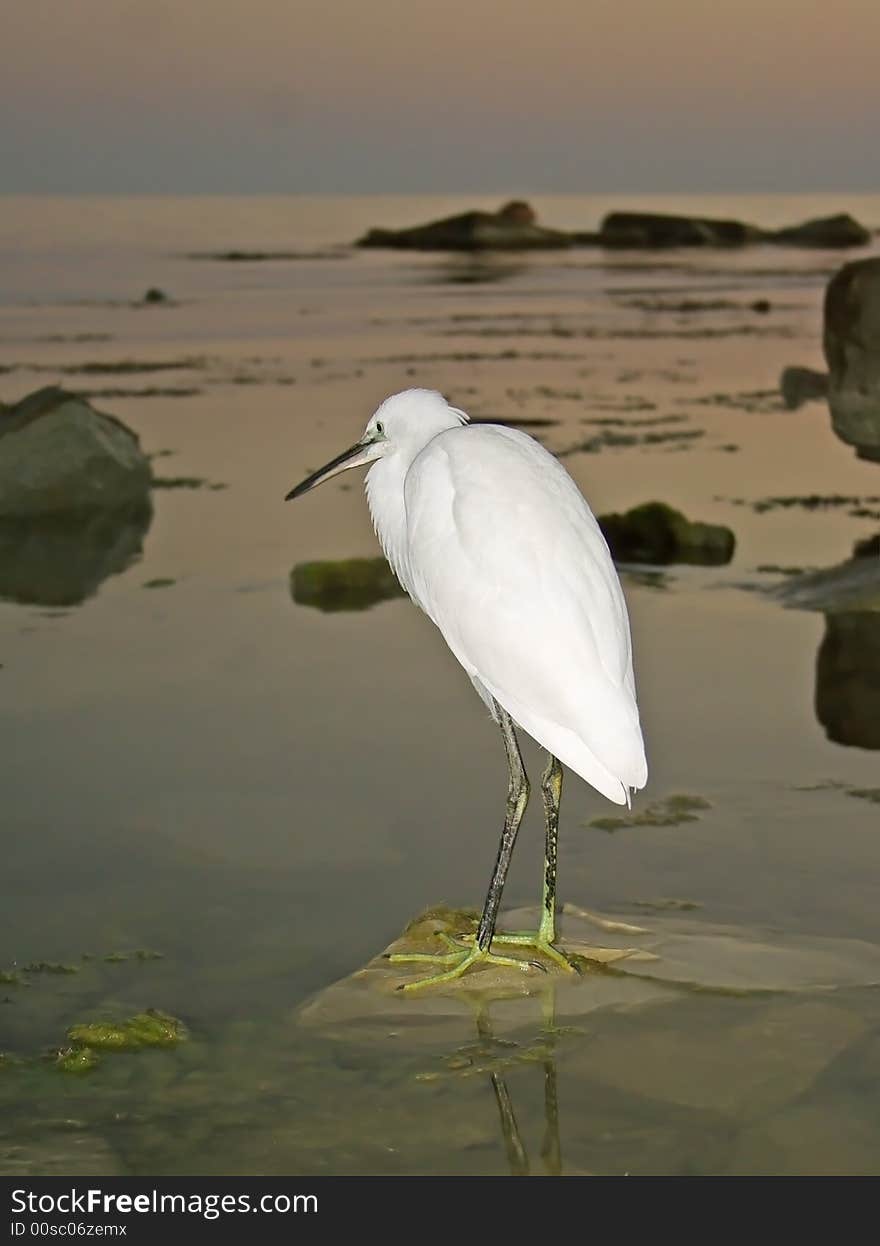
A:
{"x":265,"y":794}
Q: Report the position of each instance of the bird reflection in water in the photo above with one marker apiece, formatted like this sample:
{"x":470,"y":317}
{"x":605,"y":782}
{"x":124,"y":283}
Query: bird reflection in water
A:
{"x":495,"y":1056}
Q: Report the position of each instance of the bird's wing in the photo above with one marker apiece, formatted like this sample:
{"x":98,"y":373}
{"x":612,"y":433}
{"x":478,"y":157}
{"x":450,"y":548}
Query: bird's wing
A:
{"x":506,"y":557}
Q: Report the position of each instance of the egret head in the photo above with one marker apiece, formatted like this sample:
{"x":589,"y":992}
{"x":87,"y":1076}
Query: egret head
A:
{"x":403,"y":424}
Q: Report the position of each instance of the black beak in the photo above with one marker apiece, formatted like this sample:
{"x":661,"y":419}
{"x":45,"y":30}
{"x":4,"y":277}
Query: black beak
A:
{"x":353,"y":457}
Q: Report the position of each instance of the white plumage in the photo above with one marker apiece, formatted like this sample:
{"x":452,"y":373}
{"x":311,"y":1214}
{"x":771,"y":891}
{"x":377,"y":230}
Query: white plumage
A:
{"x":491,"y":537}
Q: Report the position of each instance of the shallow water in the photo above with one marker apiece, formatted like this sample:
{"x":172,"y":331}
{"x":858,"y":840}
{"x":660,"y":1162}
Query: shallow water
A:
{"x":206,"y":770}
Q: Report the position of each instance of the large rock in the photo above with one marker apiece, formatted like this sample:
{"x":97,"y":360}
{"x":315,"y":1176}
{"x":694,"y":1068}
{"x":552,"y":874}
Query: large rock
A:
{"x":60,"y":456}
{"x":826,"y":231}
{"x":513,"y":228}
{"x":851,"y":339}
{"x":655,"y":230}
{"x":656,"y":533}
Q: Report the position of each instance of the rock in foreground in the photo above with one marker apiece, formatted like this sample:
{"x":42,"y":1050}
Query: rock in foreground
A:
{"x":350,"y":584}
{"x":656,"y":533}
{"x":851,"y":339}
{"x":59,"y":456}
{"x":513,"y":228}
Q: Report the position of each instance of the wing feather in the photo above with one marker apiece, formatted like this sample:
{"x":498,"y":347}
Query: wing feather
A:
{"x":506,"y":557}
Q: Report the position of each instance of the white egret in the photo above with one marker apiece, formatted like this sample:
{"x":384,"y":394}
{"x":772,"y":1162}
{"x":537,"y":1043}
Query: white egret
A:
{"x":493,"y":540}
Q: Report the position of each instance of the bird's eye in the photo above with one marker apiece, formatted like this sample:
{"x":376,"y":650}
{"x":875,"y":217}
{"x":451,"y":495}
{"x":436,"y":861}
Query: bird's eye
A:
{"x":380,"y":428}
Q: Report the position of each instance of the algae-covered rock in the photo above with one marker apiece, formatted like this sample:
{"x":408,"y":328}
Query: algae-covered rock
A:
{"x":147,"y":1029}
{"x":76,"y":1060}
{"x":349,"y":584}
{"x":621,"y":966}
{"x":59,"y":456}
{"x":657,"y":533}
{"x":513,"y":228}
{"x":671,"y":811}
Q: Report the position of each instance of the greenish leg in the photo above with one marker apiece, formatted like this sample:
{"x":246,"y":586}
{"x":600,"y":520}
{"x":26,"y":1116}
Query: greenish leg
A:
{"x":543,"y":941}
{"x":460,"y":959}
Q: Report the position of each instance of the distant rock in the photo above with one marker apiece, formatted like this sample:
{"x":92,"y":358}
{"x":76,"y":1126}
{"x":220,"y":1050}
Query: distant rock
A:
{"x":656,"y":230}
{"x":513,"y":228}
{"x":155,"y":295}
{"x":827,"y":231}
{"x":60,"y":456}
{"x":656,"y":533}
{"x":349,"y":584}
{"x":799,"y":385}
{"x":851,"y":338}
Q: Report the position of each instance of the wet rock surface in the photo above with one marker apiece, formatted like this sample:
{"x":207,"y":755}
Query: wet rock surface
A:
{"x":58,"y":455}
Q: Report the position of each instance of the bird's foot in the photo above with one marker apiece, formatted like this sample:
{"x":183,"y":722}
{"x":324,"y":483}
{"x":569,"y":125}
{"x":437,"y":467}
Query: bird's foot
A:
{"x":535,"y":940}
{"x":459,"y":961}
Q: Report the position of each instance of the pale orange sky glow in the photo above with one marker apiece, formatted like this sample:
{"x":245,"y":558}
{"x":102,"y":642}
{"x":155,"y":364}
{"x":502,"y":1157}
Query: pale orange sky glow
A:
{"x":409,"y":95}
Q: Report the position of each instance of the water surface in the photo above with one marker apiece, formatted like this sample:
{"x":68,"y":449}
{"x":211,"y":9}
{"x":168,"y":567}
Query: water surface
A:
{"x":265,"y":794}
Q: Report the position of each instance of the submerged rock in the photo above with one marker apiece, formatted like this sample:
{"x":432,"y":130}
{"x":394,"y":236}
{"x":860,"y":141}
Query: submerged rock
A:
{"x":349,"y":584}
{"x":799,"y":385}
{"x":851,"y":339}
{"x":58,"y":455}
{"x":513,"y":228}
{"x":655,"y":230}
{"x":656,"y":533}
{"x":826,"y":231}
{"x":147,"y":1029}
{"x":155,"y":295}
{"x":647,"y":967}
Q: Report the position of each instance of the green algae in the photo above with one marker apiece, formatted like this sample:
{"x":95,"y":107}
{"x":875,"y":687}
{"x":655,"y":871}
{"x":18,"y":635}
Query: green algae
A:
{"x":671,"y":811}
{"x":159,"y":582}
{"x":9,"y":977}
{"x":146,"y":1029}
{"x":76,"y":1060}
{"x":349,"y":584}
{"x":51,"y":967}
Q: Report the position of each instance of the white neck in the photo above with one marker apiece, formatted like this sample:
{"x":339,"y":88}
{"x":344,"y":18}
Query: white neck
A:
{"x":384,"y":488}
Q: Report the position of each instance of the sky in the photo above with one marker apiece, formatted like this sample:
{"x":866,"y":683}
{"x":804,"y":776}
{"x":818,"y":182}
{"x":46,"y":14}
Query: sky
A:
{"x":432,"y":96}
